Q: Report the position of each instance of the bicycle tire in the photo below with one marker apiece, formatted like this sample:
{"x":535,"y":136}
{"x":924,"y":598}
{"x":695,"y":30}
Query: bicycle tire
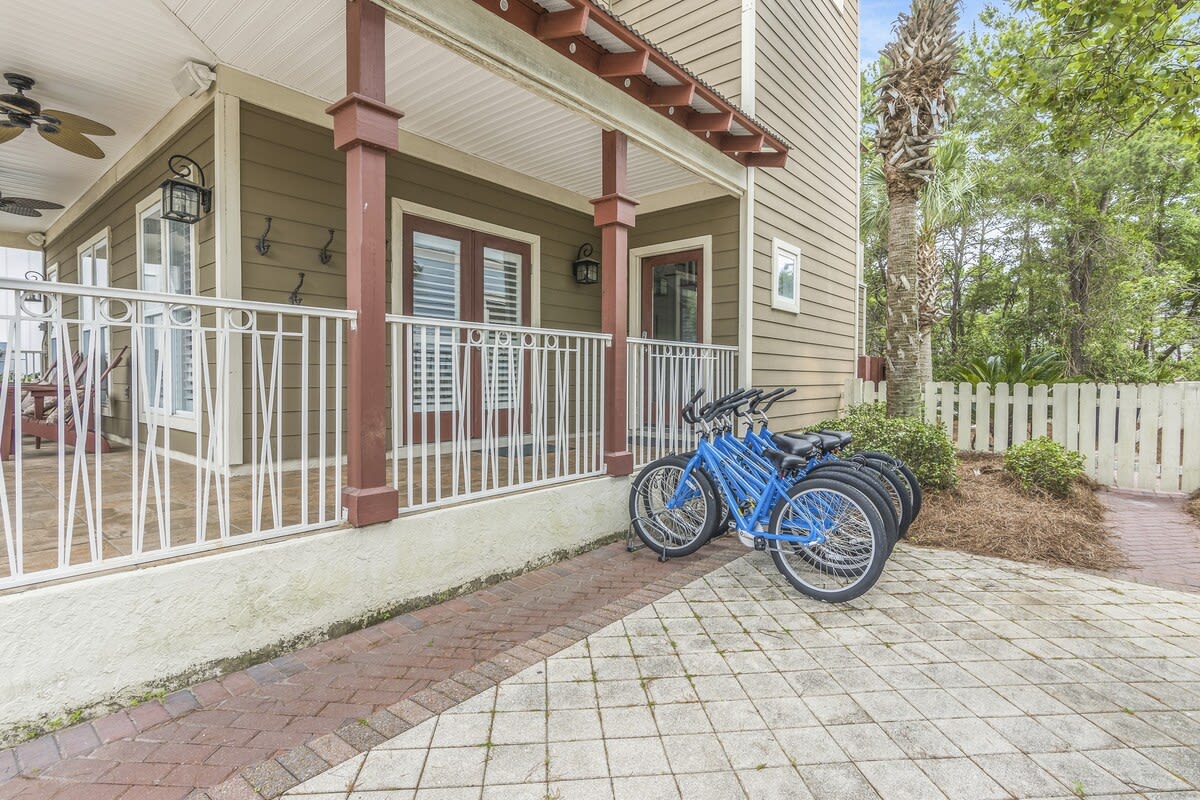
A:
{"x":864,"y":532}
{"x":909,"y":476}
{"x":897,"y":489}
{"x":671,"y":533}
{"x":840,"y":470}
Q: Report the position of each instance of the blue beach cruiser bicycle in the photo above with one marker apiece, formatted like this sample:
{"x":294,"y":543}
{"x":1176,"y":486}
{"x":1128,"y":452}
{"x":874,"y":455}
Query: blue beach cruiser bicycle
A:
{"x":828,"y":521}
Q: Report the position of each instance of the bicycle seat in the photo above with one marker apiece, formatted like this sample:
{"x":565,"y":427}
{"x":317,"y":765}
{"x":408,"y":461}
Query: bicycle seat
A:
{"x":818,"y":441}
{"x":784,"y":461}
{"x":844,"y":437}
{"x":792,"y":445}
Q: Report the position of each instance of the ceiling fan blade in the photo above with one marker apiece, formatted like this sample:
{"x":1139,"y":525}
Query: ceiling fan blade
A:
{"x":73,"y":141}
{"x":7,"y":134}
{"x":20,"y":211}
{"x":29,"y":202}
{"x":80,"y":124}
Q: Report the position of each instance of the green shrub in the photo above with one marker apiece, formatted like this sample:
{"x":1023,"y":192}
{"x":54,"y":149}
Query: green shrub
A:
{"x":1044,"y":464}
{"x":926,"y":448}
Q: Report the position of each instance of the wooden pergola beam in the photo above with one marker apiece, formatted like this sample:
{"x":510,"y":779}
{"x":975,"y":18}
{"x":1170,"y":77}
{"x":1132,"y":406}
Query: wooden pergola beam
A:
{"x":751,"y":143}
{"x":563,"y":24}
{"x":666,"y":96}
{"x":623,"y":65}
{"x":566,"y":32}
{"x":719,"y":122}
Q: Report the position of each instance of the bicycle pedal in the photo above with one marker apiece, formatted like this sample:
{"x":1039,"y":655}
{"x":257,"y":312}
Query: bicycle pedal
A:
{"x":760,"y":543}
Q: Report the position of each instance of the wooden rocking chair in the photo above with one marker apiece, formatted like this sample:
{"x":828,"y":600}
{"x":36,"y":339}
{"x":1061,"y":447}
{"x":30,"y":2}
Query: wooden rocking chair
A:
{"x":42,"y":422}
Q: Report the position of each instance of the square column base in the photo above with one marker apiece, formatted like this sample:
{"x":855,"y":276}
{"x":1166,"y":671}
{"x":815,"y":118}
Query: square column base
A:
{"x":369,"y":506}
{"x":619,"y":463}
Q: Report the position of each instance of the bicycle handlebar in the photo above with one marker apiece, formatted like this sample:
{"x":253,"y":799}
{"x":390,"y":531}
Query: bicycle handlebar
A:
{"x":779,"y":395}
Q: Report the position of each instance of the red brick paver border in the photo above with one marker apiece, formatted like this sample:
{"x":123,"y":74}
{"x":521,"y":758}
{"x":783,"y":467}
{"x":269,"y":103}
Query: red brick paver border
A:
{"x":258,"y":732}
{"x":1160,"y":539}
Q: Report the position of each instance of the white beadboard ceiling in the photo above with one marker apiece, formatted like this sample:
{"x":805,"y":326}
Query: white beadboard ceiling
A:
{"x":114,"y":62}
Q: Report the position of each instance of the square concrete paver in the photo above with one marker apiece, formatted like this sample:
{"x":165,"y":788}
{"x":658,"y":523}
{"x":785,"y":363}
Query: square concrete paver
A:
{"x":956,"y":677}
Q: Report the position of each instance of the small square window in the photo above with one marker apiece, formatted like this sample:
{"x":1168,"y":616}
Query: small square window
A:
{"x":785,"y":276}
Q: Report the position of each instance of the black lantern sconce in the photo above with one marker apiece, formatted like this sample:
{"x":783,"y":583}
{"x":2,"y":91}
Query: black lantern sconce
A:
{"x":587,"y":268}
{"x":182,"y":199}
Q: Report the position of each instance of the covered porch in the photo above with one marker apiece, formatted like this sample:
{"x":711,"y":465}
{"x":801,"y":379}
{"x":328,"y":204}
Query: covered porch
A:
{"x":441,"y":347}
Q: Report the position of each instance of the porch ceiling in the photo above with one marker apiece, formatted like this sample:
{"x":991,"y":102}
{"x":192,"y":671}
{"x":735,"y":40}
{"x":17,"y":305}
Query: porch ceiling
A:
{"x":114,"y":62}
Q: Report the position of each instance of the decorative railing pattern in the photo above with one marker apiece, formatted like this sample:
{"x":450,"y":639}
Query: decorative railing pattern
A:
{"x":1132,"y":436}
{"x":166,"y":425}
{"x":662,"y":377}
{"x":482,"y":409}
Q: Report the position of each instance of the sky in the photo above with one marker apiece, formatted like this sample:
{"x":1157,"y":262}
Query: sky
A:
{"x":876,"y":18}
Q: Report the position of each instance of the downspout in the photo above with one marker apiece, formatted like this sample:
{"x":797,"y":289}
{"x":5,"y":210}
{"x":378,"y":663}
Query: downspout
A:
{"x":746,"y":209}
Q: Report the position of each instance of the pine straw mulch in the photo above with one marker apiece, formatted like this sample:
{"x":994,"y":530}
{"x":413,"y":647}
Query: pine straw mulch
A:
{"x":990,"y":514}
{"x":1192,"y":505}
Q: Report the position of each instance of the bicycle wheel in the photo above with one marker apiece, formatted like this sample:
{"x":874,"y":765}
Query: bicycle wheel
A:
{"x":724,"y":517}
{"x":853,"y":534}
{"x":869,"y":485}
{"x":670,"y":522}
{"x":897,"y":488}
{"x":914,"y":486}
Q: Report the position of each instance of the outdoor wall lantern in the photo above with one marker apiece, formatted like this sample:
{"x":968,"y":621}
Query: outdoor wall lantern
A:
{"x":182,"y":199}
{"x":587,"y":269}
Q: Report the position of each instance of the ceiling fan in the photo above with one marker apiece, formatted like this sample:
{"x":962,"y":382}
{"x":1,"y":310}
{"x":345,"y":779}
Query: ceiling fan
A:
{"x":19,"y":113}
{"x":26,"y":206}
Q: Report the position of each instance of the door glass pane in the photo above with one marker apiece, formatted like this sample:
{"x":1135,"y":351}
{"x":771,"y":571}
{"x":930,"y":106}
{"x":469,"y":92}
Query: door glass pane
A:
{"x":501,"y":305}
{"x":674,"y":296}
{"x":436,"y":282}
{"x":167,"y":269}
{"x":437,"y":271}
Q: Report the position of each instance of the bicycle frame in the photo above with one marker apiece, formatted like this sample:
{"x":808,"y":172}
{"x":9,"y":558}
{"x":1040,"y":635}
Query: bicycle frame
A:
{"x":763,"y":501}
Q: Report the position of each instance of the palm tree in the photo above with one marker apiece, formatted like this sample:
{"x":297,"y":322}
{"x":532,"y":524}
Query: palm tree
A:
{"x":945,"y":200}
{"x":912,"y":108}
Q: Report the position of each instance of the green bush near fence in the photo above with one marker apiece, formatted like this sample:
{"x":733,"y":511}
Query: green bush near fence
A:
{"x":1044,"y":464}
{"x":925,"y":448}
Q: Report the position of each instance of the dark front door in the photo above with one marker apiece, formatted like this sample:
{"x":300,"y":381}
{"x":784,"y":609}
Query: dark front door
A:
{"x":672,"y":296}
{"x":459,"y":275}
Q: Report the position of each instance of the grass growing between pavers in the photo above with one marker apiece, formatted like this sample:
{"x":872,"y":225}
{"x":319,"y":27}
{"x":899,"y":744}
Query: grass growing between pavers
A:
{"x":989,"y":514}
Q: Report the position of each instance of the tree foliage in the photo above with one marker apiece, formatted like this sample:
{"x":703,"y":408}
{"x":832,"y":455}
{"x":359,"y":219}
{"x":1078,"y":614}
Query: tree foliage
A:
{"x":1080,"y":238}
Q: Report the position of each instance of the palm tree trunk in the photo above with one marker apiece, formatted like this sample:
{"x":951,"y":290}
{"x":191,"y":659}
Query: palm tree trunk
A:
{"x":903,"y":335}
{"x":928,"y":284}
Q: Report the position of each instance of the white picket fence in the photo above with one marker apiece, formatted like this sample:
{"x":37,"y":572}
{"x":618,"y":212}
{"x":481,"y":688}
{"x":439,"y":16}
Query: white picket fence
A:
{"x":1131,"y":436}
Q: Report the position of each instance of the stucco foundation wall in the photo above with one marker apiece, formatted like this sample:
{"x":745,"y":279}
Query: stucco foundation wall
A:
{"x":111,"y":637}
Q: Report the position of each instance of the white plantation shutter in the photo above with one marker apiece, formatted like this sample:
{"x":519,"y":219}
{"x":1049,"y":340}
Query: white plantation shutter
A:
{"x":436,"y":288}
{"x":501,"y":305}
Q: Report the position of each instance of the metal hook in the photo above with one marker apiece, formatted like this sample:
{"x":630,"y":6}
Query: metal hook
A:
{"x":294,"y":297}
{"x":326,"y":256}
{"x":262,"y":245}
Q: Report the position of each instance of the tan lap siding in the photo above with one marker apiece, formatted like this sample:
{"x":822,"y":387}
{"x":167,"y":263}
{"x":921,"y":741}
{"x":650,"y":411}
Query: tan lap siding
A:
{"x":291,"y":173}
{"x":116,"y":210}
{"x":807,"y":88}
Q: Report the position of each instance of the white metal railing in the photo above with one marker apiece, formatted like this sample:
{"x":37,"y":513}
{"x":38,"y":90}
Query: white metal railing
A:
{"x":1131,"y":436}
{"x":662,"y":377}
{"x":166,"y":425}
{"x":481,"y":409}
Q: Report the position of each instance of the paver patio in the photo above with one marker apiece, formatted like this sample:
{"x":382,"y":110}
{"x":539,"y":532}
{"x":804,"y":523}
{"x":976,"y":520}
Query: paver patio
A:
{"x":1161,"y":541}
{"x":958,"y":676}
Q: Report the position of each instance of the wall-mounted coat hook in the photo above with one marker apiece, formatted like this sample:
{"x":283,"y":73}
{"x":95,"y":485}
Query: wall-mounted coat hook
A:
{"x":262,"y":245}
{"x":294,"y":297}
{"x":325,"y":255}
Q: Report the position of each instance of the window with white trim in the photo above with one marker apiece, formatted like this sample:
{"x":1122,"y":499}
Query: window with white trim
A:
{"x":166,"y":265}
{"x":785,"y":276}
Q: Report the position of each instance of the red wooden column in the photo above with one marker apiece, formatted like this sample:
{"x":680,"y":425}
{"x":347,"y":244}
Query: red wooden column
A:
{"x":364,"y":127}
{"x":615,"y":213}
